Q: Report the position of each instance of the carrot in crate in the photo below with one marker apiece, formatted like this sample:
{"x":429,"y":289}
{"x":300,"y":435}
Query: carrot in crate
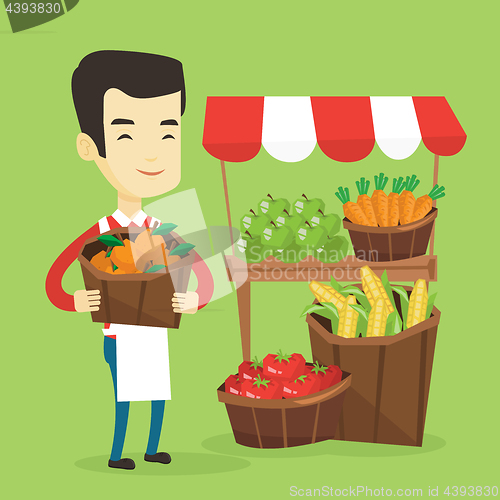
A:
{"x":373,"y":288}
{"x":423,"y":205}
{"x":348,"y":319}
{"x":326,"y":293}
{"x":351,"y":210}
{"x":397,"y":186}
{"x":407,"y":200}
{"x":365,"y":202}
{"x":380,"y":201}
{"x":377,"y":319}
{"x":417,"y":307}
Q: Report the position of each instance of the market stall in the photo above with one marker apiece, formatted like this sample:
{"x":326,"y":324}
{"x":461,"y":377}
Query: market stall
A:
{"x":345,"y":129}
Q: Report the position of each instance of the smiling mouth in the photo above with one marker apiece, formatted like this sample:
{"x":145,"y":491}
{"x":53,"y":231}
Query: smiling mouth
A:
{"x":150,"y":173}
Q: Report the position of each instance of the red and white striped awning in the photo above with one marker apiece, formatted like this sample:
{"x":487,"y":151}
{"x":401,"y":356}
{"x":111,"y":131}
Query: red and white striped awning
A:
{"x":345,"y":128}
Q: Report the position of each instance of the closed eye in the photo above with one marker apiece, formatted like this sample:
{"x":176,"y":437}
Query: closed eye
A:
{"x":124,"y":136}
{"x":168,"y":136}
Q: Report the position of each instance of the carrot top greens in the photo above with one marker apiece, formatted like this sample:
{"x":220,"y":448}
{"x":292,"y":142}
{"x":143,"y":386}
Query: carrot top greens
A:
{"x":398,"y":185}
{"x":437,"y":192}
{"x":362,"y":186}
{"x":380,"y":182}
{"x":343,"y":195}
{"x":412,"y":183}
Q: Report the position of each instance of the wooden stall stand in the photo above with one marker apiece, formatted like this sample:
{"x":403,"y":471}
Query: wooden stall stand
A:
{"x":236,"y":128}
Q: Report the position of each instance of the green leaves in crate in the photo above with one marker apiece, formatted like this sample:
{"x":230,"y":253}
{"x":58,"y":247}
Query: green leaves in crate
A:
{"x":394,"y":321}
{"x":182,"y":249}
{"x":110,"y":240}
{"x":430,"y":305}
{"x":164,"y":229}
{"x":154,"y":269}
{"x":115,"y":267}
{"x":359,"y":294}
{"x":327,"y":310}
{"x":403,"y":295}
{"x":362,"y":319}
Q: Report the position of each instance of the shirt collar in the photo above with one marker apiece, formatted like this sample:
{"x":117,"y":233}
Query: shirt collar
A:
{"x":124,"y":221}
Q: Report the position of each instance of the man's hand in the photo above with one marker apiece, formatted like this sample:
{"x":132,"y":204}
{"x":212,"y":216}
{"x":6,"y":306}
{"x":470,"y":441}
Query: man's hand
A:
{"x":87,"y":300}
{"x":185,"y":302}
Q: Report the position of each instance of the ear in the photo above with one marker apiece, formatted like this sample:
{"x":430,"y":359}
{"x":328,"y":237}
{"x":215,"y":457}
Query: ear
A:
{"x":86,"y":147}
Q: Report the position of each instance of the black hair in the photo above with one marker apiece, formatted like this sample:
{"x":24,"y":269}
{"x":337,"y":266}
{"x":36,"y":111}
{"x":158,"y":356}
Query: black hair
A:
{"x":137,"y":74}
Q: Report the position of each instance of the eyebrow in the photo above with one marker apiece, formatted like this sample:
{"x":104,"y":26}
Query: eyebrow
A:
{"x":168,"y":122}
{"x":122,"y":121}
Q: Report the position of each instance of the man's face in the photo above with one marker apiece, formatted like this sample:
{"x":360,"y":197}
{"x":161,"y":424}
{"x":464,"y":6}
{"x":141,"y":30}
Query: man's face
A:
{"x":142,"y":138}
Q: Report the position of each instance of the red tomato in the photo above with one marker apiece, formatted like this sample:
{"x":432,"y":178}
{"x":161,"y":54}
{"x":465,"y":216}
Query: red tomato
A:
{"x":262,"y":389}
{"x":329,"y":375}
{"x":248,"y":370}
{"x":233,"y":385}
{"x":283,"y":367}
{"x":302,"y":386}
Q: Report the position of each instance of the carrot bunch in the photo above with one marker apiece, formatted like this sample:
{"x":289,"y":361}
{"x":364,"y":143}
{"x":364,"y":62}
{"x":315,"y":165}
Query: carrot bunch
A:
{"x":400,"y":207}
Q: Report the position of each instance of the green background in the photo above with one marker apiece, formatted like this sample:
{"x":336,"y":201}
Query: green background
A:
{"x":57,"y":409}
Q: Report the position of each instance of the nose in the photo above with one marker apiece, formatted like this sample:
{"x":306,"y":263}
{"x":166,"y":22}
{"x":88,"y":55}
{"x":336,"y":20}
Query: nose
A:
{"x":150,"y":159}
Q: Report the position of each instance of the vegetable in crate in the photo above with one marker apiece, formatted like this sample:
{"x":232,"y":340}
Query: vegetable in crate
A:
{"x":365,"y":202}
{"x":284,"y":367}
{"x":407,"y":200}
{"x":262,"y":388}
{"x":380,"y":201}
{"x":423,"y":205}
{"x":351,"y":210}
{"x":326,"y":293}
{"x":373,"y":288}
{"x":417,"y":308}
{"x":307,"y":208}
{"x":232,"y":385}
{"x":301,"y":386}
{"x":397,"y":186}
{"x":377,"y":319}
{"x":250,"y":370}
{"x":348,"y":319}
{"x":328,"y":375}
{"x":272,"y":208}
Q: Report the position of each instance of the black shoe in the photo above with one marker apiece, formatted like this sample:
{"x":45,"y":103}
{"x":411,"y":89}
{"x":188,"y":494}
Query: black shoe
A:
{"x":161,"y":458}
{"x":123,"y":463}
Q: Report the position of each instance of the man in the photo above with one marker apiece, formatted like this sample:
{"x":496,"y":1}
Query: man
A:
{"x":129,"y":106}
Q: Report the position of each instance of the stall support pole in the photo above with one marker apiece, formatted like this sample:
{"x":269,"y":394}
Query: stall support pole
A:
{"x":226,"y":196}
{"x":434,"y":182}
{"x":243,"y":294}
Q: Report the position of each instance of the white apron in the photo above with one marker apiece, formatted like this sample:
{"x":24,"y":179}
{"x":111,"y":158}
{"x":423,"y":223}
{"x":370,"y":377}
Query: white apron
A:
{"x":142,"y":365}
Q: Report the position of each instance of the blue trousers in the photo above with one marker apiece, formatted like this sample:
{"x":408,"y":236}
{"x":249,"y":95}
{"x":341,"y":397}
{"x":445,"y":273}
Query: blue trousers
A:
{"x":122,"y":407}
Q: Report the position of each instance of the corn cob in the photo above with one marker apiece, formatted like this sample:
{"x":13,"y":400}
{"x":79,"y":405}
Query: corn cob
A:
{"x":348,"y":319}
{"x":373,"y":288}
{"x":417,"y":307}
{"x":326,"y":293}
{"x":377,"y":319}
